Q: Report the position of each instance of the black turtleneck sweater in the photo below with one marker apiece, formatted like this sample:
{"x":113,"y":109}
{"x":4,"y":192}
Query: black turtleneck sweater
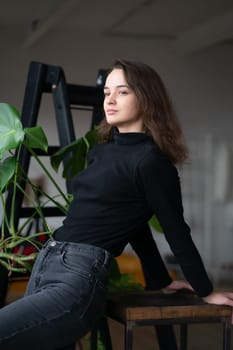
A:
{"x":126,"y":182}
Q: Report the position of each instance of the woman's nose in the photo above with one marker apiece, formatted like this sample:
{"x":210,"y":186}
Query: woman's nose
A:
{"x":111,"y":99}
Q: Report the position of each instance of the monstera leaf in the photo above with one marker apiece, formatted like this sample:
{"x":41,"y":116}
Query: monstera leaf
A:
{"x":75,"y":155}
{"x":7,"y":170}
{"x":11,"y":129}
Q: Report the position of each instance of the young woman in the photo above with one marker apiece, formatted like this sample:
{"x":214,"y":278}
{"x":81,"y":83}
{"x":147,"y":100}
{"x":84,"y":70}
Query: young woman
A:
{"x":130,"y":176}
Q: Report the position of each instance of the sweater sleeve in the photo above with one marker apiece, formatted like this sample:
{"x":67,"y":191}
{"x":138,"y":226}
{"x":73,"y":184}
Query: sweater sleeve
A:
{"x":161,"y":187}
{"x":154,"y":270}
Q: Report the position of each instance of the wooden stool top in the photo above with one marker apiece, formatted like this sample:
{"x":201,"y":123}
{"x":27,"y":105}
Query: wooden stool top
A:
{"x":150,"y":305}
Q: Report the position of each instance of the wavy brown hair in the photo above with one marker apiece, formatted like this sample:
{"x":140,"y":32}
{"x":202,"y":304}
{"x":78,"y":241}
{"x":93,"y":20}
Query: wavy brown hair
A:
{"x":160,"y":120}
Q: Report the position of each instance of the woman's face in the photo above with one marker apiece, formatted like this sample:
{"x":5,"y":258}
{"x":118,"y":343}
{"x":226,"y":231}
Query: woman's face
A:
{"x":120,"y":103}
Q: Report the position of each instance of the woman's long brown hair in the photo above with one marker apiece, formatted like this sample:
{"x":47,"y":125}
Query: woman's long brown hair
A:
{"x":160,"y":120}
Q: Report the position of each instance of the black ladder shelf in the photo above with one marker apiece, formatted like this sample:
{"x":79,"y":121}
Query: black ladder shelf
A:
{"x":43,"y":78}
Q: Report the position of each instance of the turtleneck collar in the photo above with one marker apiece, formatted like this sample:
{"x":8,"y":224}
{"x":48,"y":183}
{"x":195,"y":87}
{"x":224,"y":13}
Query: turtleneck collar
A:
{"x":127,"y":138}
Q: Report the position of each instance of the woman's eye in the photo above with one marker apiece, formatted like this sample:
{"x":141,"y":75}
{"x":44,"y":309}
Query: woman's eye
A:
{"x":123,"y":92}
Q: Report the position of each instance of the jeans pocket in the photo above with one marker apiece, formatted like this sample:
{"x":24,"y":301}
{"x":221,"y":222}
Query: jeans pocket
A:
{"x":79,"y":264}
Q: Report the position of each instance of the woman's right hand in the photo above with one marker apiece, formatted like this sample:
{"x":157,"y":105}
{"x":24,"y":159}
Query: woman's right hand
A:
{"x":177,"y":285}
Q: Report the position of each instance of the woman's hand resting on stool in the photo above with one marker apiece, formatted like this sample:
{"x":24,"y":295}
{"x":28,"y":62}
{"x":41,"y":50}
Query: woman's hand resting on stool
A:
{"x":220,"y":298}
{"x":177,"y":285}
{"x":217,"y":298}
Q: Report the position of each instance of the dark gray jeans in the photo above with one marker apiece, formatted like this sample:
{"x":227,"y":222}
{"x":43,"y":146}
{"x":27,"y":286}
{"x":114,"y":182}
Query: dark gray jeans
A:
{"x":65,"y":297}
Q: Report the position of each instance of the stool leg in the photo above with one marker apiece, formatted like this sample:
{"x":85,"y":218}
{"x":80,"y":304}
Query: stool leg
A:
{"x":128,"y":336}
{"x":227,"y":336}
{"x":183,"y":336}
{"x":166,"y":337}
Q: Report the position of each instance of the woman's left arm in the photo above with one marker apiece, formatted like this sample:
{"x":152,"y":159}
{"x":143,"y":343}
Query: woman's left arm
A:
{"x":154,"y":269}
{"x":160,"y":183}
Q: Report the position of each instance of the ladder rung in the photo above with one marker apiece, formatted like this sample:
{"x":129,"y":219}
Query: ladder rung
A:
{"x":47,"y":211}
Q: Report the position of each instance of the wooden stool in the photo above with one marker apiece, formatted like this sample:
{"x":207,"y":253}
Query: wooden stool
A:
{"x":152,"y":308}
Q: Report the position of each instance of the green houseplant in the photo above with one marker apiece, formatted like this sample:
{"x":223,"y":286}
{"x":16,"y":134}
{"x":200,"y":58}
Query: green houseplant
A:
{"x":12,"y":138}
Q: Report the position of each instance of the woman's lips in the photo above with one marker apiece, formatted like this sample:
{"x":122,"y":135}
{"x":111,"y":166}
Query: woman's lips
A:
{"x":111,"y":111}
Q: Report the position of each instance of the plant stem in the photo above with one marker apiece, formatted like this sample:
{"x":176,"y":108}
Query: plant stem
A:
{"x":12,"y":210}
{"x":49,"y":175}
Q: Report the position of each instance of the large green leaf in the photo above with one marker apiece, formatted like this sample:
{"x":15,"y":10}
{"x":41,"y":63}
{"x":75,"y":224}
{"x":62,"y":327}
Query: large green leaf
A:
{"x":11,"y":129}
{"x":91,"y":138}
{"x":36,"y":138}
{"x":7,"y":169}
{"x":75,"y":155}
{"x":76,"y":162}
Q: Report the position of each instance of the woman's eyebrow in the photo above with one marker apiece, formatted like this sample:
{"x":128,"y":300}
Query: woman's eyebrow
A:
{"x":118,"y":86}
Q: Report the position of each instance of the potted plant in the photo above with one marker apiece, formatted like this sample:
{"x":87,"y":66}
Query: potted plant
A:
{"x":13,"y":137}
